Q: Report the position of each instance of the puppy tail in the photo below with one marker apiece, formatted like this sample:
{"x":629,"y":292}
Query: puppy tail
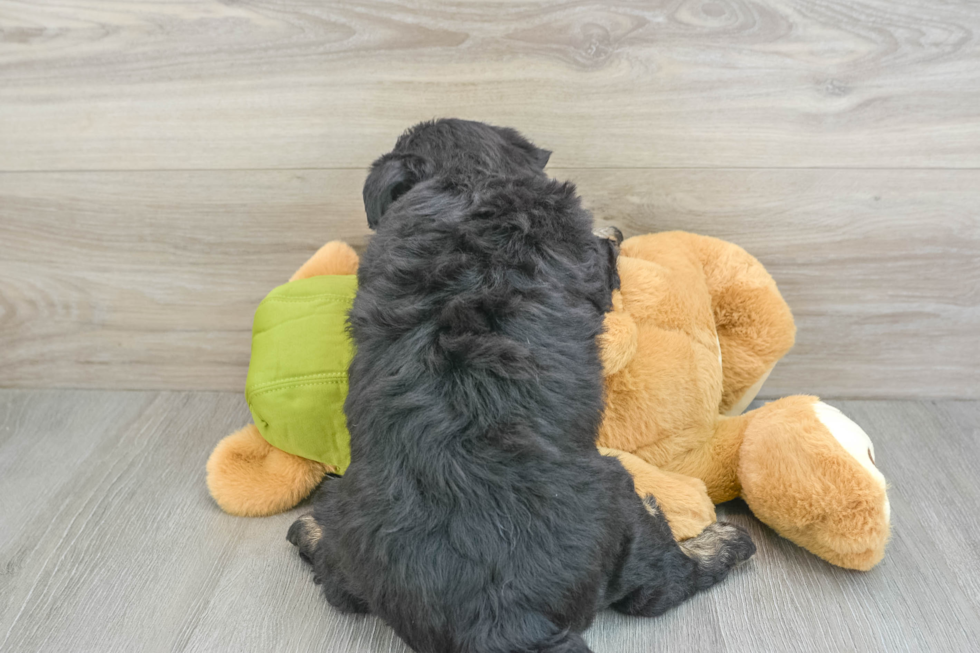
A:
{"x":557,"y":641}
{"x":565,"y":642}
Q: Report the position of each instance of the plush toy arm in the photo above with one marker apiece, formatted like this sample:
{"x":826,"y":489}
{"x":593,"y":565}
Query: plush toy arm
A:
{"x":249,"y":477}
{"x":618,"y":340}
{"x":683,"y":500}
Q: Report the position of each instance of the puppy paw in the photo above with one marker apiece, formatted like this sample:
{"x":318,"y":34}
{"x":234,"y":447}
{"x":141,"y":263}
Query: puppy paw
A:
{"x":719,"y":547}
{"x":305,"y":534}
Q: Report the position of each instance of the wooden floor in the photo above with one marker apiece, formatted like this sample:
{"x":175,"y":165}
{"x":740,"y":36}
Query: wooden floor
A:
{"x":110,"y":542}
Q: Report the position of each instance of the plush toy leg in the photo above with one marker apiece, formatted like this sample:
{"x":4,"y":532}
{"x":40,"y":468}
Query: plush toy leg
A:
{"x":683,"y":500}
{"x":809,"y":473}
{"x":249,"y":477}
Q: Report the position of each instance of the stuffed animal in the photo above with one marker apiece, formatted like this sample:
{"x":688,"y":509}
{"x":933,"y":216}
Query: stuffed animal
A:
{"x":696,"y":328}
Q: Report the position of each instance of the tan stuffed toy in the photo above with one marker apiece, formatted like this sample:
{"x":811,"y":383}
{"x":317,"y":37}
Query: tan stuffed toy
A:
{"x":696,"y":329}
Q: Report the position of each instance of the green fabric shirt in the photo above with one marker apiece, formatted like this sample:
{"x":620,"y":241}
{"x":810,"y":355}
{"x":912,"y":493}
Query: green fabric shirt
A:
{"x":297,"y":376}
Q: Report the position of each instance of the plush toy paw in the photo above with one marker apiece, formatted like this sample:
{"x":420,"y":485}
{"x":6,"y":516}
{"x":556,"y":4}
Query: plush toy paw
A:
{"x":249,"y":477}
{"x":809,"y":472}
{"x":683,"y":500}
{"x":618,"y":340}
{"x":686,"y":505}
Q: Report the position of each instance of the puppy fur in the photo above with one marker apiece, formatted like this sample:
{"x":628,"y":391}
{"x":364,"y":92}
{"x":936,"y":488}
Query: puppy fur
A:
{"x":477,"y":514}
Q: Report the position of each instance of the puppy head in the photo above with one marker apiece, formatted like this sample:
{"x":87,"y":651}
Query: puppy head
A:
{"x":461,"y":150}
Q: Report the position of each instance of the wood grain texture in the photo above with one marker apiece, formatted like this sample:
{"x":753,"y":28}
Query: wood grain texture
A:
{"x":164,"y":164}
{"x":134,"y":280}
{"x":109,"y":542}
{"x":880,"y":268}
{"x":97,"y":84}
{"x":150,"y":280}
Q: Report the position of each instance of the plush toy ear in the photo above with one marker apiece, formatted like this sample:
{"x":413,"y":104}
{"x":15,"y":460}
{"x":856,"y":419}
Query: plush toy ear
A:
{"x":391,"y":176}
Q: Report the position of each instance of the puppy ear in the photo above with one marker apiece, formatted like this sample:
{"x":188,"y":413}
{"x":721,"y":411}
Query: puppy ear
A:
{"x":391,"y":176}
{"x":541,"y":157}
{"x":610,"y":238}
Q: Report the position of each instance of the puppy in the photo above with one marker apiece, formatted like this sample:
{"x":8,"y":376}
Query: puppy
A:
{"x":477,"y":515}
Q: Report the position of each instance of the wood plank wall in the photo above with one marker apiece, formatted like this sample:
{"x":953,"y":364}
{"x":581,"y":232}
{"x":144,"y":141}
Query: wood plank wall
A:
{"x":164,"y":164}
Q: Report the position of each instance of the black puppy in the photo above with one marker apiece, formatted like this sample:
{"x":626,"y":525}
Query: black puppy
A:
{"x":477,"y":515}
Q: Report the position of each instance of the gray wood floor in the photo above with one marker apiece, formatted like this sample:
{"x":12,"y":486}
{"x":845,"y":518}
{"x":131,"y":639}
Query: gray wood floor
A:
{"x":109,"y":542}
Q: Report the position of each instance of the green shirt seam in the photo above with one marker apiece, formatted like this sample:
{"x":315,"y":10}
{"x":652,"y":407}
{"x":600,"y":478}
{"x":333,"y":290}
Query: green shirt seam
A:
{"x":305,"y":298}
{"x":286,"y":384}
{"x":290,"y":379}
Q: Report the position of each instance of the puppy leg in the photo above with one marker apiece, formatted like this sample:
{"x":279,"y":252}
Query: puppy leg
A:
{"x":306,"y":534}
{"x":663,"y":574}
